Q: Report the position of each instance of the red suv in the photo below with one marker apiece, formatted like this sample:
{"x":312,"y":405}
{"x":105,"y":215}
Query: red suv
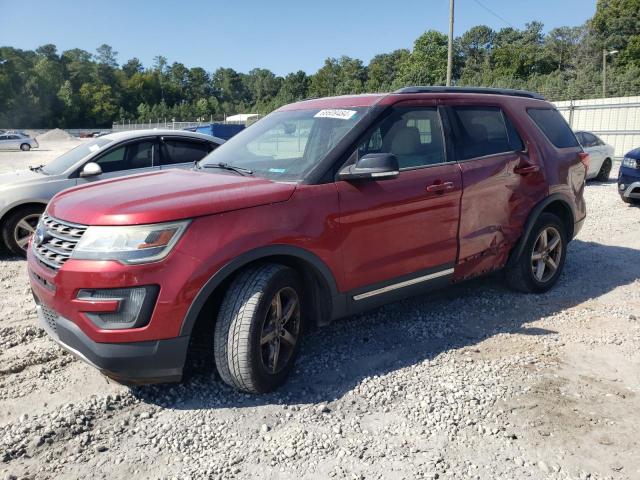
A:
{"x":322,"y":209}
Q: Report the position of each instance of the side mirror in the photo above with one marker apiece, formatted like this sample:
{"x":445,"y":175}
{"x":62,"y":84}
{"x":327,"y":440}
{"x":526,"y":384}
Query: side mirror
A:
{"x":91,"y":169}
{"x":373,"y":166}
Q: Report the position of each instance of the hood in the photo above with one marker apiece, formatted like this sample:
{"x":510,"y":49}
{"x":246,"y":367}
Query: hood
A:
{"x":164,"y":196}
{"x":635,"y":154}
{"x":20,"y":178}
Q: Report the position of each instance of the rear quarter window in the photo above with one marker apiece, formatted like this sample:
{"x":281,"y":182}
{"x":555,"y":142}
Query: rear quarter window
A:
{"x":554,"y":127}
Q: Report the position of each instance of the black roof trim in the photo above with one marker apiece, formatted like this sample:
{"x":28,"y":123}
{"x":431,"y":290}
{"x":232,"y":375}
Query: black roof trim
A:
{"x":481,"y":90}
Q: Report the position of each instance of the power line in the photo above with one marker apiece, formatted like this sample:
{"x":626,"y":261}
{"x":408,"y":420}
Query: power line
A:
{"x":494,"y":13}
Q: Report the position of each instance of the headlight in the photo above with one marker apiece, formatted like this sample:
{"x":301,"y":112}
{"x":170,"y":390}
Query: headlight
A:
{"x":131,"y":244}
{"x":629,"y":162}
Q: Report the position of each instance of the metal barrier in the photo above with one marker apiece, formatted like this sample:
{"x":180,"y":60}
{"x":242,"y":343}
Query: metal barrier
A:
{"x":124,"y":126}
{"x":615,"y":120}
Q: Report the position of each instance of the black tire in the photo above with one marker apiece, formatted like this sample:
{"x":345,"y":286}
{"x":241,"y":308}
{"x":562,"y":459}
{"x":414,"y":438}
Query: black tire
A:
{"x":520,"y":276}
{"x":25,"y":147}
{"x":605,"y":170}
{"x":630,"y":201}
{"x":247,"y":308}
{"x":11,"y":228}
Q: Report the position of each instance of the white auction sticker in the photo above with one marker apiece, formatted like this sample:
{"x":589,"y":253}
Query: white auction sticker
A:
{"x":339,"y":114}
{"x":94,"y":148}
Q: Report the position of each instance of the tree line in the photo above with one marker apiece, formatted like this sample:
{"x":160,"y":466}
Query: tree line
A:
{"x":76,"y":88}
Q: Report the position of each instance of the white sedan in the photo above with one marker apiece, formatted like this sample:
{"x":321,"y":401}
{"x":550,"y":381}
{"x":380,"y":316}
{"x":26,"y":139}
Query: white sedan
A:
{"x":15,"y":141}
{"x":600,"y":155}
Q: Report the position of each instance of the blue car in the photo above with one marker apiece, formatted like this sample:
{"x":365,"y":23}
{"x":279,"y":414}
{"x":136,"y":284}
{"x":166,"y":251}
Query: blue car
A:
{"x":629,"y":177}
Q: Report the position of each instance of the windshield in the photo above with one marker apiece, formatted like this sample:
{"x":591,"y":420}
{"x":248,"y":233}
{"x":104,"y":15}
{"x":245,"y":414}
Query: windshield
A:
{"x":67,"y":160}
{"x":286,"y":145}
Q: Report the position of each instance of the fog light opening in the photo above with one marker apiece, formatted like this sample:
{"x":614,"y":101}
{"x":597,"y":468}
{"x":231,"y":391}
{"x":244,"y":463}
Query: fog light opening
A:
{"x":135,"y":306}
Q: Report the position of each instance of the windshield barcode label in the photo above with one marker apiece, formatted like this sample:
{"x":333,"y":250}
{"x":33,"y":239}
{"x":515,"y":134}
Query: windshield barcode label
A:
{"x":339,"y":114}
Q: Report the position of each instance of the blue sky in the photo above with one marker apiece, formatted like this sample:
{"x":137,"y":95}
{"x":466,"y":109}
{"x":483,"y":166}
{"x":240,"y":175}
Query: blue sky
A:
{"x":282,"y":35}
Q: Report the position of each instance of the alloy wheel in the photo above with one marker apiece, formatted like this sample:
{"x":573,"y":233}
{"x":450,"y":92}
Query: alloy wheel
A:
{"x":24,"y":229}
{"x":547,"y":253}
{"x":280,"y":330}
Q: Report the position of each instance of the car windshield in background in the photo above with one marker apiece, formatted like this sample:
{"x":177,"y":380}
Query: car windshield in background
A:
{"x":286,"y":145}
{"x":67,"y":160}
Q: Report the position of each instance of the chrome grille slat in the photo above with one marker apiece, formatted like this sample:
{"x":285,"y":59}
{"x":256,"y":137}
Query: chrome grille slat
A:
{"x":60,"y":240}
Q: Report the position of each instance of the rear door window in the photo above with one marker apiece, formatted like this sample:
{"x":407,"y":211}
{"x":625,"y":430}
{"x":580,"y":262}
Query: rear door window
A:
{"x":482,"y":131}
{"x":554,"y":127}
{"x":182,"y":151}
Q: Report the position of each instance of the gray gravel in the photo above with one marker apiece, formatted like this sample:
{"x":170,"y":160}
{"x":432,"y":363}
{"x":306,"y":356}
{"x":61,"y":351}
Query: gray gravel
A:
{"x":473,"y":382}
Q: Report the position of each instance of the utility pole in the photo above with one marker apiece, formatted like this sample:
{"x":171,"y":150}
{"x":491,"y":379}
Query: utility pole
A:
{"x":605,"y":54}
{"x":450,"y":49}
{"x":604,"y":73}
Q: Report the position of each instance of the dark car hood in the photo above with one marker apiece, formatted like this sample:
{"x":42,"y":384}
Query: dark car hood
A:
{"x":635,"y":154}
{"x":164,"y":196}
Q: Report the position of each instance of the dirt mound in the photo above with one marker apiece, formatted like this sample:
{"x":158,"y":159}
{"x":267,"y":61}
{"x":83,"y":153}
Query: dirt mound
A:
{"x":55,"y":135}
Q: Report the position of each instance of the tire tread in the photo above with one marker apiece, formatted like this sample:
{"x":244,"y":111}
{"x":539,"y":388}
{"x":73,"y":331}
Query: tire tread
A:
{"x":235,"y":322}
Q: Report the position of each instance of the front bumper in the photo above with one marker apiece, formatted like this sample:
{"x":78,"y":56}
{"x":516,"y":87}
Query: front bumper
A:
{"x":629,"y":182}
{"x":630,"y":191}
{"x":132,"y":363}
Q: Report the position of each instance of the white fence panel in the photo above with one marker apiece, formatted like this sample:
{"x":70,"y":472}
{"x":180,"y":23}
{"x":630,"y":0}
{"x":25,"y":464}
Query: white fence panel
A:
{"x":615,"y":120}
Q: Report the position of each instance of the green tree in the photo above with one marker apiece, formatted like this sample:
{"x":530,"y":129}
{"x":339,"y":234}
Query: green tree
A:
{"x":427,"y":63}
{"x":383,"y":70}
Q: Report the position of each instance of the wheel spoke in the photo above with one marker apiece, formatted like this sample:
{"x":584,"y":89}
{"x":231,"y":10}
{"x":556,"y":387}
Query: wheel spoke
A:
{"x":275,"y":357}
{"x":543,"y":240}
{"x":288,"y":311}
{"x":536,"y":256}
{"x":288,"y":337}
{"x":553,"y":243}
{"x":22,"y":243}
{"x":277,"y":304}
{"x":25,"y":226}
{"x":550,"y":262}
{"x":540,"y":270}
{"x":268,"y":337}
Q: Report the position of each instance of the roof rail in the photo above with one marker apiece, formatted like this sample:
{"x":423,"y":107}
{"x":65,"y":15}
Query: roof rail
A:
{"x":482,"y":90}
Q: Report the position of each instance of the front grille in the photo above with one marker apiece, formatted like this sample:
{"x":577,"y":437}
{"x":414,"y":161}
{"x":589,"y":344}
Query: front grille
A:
{"x":50,"y":317}
{"x":60,"y":238}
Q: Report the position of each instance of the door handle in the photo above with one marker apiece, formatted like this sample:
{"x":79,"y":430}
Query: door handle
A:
{"x":526,"y":169}
{"x":441,"y":187}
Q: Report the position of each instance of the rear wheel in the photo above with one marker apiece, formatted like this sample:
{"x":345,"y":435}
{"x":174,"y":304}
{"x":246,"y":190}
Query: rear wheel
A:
{"x":542,"y":260}
{"x":258,"y":328}
{"x":18,"y":228}
{"x":25,"y":147}
{"x":605,"y":170}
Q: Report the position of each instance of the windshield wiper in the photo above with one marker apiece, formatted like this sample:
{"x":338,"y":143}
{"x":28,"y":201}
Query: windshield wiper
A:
{"x":37,"y":168}
{"x":226,"y":166}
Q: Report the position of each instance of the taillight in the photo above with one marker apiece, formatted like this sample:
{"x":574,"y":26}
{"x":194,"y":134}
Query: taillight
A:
{"x":584,"y":158}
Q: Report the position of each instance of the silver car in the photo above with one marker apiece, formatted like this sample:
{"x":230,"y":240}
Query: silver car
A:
{"x":600,"y":155}
{"x":25,"y":194}
{"x":15,"y":141}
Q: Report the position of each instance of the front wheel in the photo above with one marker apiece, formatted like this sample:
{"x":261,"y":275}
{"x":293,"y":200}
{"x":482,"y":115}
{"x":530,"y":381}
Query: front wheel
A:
{"x":18,"y":228}
{"x":25,"y":147}
{"x":258,"y":329}
{"x":542,"y":260}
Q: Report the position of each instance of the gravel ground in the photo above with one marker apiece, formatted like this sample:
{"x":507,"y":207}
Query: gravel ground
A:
{"x":472,"y":382}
